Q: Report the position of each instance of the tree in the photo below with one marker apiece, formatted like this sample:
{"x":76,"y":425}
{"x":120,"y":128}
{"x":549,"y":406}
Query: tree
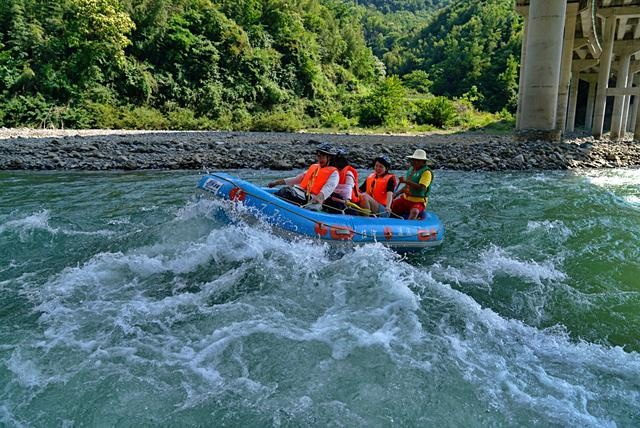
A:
{"x":385,"y":104}
{"x":418,"y":80}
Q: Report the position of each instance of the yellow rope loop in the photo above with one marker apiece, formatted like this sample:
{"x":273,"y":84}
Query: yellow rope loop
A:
{"x":365,"y":211}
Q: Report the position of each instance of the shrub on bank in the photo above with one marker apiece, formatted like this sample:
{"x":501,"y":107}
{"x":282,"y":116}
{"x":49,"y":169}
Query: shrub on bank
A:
{"x":470,"y":118}
{"x":437,"y":111}
{"x":143,"y":118}
{"x":417,"y":114}
{"x":185,"y":119}
{"x":28,"y":111}
{"x":276,"y":121}
{"x":238,"y":119}
{"x":337,"y":120}
{"x":385,"y":104}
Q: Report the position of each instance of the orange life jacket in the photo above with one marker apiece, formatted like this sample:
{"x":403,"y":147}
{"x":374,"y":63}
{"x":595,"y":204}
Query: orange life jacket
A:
{"x":315,"y":178}
{"x":355,"y":192}
{"x":377,"y":187}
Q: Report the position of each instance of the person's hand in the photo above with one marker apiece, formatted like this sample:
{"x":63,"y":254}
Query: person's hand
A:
{"x":272,"y":183}
{"x":401,"y":180}
{"x":388,"y":208}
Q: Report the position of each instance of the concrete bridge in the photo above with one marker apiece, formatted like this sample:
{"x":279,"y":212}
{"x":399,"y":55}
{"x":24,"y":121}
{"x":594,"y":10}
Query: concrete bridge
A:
{"x":579,"y":55}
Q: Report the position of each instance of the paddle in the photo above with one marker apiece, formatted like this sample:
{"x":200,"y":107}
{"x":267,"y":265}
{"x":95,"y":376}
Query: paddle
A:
{"x":396,"y":191}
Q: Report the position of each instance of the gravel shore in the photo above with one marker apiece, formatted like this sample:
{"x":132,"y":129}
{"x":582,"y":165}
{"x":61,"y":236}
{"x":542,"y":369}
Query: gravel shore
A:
{"x":42,"y":149}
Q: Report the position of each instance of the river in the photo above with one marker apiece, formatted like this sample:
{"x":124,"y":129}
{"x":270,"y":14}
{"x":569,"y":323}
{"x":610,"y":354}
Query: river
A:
{"x":126,"y":301}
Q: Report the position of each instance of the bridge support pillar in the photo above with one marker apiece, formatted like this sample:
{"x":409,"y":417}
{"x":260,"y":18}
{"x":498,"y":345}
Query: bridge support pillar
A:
{"x":626,"y":117}
{"x":565,"y":71}
{"x":523,"y":54}
{"x":635,"y":116}
{"x":617,"y":124}
{"x":591,"y":99}
{"x":603,"y":77}
{"x":633,"y":113}
{"x":545,"y":29}
{"x":636,"y":128}
{"x":573,"y":101}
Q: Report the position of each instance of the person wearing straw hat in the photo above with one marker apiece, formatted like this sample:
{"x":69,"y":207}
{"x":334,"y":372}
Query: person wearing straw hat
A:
{"x":417,"y":184}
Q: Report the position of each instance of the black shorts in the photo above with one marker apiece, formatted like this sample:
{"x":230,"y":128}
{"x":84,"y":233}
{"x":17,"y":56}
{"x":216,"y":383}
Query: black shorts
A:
{"x":292,"y":194}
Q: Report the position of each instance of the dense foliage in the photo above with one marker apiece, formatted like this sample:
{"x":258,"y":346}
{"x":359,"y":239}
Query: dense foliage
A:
{"x":472,"y":43}
{"x":252,"y":64}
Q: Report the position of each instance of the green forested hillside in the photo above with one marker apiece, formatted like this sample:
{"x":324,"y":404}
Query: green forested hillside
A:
{"x":251,"y":64}
{"x":472,"y":43}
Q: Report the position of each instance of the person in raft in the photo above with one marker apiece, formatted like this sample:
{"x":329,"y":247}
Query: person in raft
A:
{"x":417,"y":184}
{"x":377,"y":190}
{"x":347,"y":190}
{"x":316,"y":184}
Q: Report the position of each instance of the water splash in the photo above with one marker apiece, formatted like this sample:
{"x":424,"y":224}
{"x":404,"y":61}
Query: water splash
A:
{"x":29,"y":224}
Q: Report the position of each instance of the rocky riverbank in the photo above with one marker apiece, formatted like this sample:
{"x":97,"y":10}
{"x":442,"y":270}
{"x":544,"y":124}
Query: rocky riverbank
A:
{"x":128,"y":150}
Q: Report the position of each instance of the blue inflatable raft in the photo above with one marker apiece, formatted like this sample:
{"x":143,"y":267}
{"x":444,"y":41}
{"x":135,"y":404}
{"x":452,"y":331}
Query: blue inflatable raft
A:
{"x":392,"y":232}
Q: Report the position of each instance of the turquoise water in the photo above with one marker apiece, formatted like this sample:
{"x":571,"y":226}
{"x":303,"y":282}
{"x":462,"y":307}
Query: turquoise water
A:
{"x":125,"y":301}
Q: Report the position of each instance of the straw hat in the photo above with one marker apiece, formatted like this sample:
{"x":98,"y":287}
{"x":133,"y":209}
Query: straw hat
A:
{"x":419,"y":154}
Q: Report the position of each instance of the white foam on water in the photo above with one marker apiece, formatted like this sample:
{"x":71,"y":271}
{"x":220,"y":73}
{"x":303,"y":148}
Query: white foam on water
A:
{"x":28,"y":224}
{"x":556,"y":229}
{"x":517,"y":366}
{"x":108,"y":283}
{"x":119,"y":221}
{"x":8,"y":418}
{"x":11,"y":264}
{"x":613,"y":178}
{"x":39,"y":221}
{"x":386,"y":322}
{"x":205,"y":314}
{"x":632,"y":200}
{"x":543,"y":177}
{"x":26,"y":371}
{"x":199,"y":208}
{"x":497,"y":261}
{"x":377,"y":311}
{"x":104,"y":293}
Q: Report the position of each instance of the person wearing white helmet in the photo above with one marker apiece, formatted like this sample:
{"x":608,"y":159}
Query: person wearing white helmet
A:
{"x":314,"y":185}
{"x":417,"y":185}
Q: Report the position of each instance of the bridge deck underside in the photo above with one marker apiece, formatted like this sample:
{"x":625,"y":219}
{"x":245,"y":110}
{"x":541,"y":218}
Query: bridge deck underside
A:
{"x":589,"y":40}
